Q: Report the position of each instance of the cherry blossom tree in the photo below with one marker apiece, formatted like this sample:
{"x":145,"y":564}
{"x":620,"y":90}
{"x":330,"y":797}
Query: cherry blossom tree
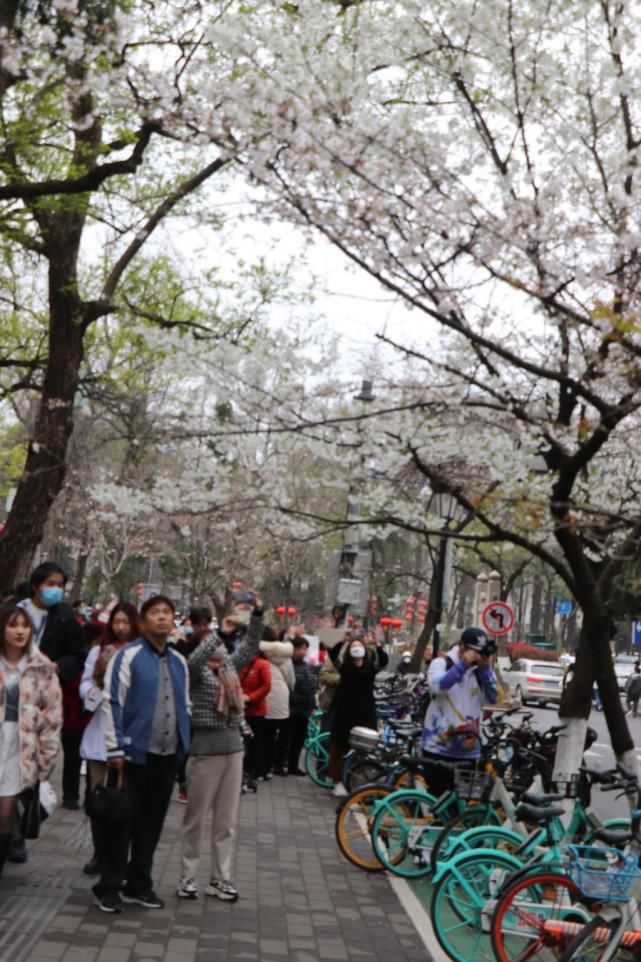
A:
{"x":481,"y":162}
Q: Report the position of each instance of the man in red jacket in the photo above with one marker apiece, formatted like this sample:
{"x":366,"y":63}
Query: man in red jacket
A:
{"x":256,"y":681}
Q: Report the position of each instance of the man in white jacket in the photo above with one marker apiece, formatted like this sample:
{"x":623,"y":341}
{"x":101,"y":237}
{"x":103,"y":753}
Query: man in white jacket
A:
{"x":460,"y":683}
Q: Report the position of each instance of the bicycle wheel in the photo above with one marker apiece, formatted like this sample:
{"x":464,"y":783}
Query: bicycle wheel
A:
{"x":317,"y":761}
{"x":537,"y":916}
{"x":593,"y":941}
{"x":471,"y":817}
{"x":352,"y":826}
{"x":402,"y":832}
{"x":459,"y":898}
{"x":362,"y":771}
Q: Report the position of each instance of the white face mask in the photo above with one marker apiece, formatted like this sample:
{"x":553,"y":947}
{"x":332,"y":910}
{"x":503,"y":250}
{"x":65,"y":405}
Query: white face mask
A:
{"x":357,"y":651}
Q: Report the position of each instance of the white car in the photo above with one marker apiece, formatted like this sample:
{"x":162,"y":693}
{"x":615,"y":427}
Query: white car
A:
{"x":623,"y":668}
{"x":535,"y":681}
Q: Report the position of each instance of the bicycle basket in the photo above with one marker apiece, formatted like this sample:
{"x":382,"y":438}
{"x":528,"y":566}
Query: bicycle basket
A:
{"x":603,"y":873}
{"x":472,"y":784}
{"x":363,"y":739}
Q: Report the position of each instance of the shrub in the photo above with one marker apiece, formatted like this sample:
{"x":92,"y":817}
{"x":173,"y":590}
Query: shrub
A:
{"x":521,"y":649}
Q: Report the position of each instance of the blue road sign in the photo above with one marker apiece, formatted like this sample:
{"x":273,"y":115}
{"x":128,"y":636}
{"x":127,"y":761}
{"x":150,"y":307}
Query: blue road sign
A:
{"x":563,"y":607}
{"x":636,"y":632}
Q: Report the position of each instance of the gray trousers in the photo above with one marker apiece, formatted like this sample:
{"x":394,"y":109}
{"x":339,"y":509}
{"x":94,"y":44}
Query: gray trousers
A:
{"x":213,"y":785}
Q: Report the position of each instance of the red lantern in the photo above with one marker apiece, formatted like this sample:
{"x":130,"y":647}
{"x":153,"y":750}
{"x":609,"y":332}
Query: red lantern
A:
{"x":291,"y":612}
{"x":395,"y":623}
{"x":280,"y":610}
{"x":385,"y":621}
{"x":236,"y":585}
{"x":409,"y":617}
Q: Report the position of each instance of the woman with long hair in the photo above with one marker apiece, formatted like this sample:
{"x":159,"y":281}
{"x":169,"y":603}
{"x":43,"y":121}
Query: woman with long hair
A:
{"x":30,"y":715}
{"x":123,"y":626}
{"x":357,"y":661}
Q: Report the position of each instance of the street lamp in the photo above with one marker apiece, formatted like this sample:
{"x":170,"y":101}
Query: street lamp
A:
{"x":354,"y":563}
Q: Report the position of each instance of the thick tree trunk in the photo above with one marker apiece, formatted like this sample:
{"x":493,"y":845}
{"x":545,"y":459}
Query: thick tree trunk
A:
{"x":432,"y":619}
{"x":593,"y":662}
{"x":45,"y":467}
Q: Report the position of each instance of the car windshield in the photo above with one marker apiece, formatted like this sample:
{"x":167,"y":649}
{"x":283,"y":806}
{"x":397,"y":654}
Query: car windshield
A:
{"x":543,"y":669}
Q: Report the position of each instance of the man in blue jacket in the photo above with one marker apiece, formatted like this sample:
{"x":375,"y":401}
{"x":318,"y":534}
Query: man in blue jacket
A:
{"x":147,"y":735}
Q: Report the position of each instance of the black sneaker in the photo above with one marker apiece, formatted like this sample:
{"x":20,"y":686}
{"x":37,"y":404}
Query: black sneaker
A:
{"x":148,"y":899}
{"x":92,"y":867}
{"x":109,"y":903}
{"x":17,"y":854}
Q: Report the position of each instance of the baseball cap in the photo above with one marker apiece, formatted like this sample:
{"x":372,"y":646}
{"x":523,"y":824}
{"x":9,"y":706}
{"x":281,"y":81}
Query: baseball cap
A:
{"x":406,"y":656}
{"x":477,"y":640}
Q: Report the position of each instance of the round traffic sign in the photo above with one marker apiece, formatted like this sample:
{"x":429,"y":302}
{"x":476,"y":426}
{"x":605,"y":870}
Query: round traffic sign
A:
{"x":497,"y":618}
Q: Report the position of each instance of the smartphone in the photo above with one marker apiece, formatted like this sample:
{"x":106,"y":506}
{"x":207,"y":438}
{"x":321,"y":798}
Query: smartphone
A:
{"x":244,"y":597}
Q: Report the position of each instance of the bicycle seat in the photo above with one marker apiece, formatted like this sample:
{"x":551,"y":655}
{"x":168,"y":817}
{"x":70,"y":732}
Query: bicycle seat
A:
{"x":539,"y":800}
{"x":408,"y":732}
{"x":410,"y":762}
{"x":610,"y":836}
{"x":533,"y":813}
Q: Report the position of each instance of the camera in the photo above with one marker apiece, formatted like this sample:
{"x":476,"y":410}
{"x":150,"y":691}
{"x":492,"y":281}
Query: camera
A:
{"x":244,"y":597}
{"x":489,"y":649}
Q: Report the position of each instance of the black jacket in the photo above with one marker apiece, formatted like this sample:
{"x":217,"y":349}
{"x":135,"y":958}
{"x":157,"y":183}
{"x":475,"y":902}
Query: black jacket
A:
{"x":63,"y":641}
{"x":302,"y":701}
{"x":354,"y":702}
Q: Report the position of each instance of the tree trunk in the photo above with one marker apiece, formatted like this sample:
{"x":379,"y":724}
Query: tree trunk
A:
{"x":594,"y":661}
{"x":45,"y":467}
{"x":432,"y":619}
{"x":79,"y":573}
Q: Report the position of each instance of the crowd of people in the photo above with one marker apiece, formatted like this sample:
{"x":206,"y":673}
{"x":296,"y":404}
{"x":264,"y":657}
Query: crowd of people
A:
{"x":142,"y":706}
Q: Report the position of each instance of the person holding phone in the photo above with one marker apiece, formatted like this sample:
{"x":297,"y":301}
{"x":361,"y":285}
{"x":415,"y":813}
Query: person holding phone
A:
{"x":460,"y":684}
{"x":215,"y":767}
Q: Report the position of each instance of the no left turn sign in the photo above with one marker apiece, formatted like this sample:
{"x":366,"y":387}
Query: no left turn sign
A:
{"x":497,"y":618}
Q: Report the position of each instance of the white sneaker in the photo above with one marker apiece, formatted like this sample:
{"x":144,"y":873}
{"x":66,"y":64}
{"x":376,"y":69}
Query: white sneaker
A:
{"x":187,"y":889}
{"x":339,"y":789}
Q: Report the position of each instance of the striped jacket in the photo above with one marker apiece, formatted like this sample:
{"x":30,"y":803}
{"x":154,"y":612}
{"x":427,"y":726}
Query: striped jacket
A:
{"x":131,"y":682}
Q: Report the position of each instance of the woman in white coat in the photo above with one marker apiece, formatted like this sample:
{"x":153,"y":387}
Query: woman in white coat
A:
{"x":279,"y":655}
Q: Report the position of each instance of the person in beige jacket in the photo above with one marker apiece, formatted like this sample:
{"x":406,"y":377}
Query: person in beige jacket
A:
{"x":30,"y":716}
{"x":276,"y":744}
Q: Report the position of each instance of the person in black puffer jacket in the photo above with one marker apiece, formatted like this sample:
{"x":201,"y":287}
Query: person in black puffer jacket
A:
{"x":302,"y":703}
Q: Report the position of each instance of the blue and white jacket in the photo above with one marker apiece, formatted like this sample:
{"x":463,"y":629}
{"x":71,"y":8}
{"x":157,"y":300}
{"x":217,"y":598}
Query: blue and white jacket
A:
{"x":131,"y":683}
{"x":453,"y":718}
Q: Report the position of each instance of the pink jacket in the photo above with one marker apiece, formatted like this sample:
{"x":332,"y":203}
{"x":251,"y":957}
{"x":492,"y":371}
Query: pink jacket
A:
{"x":40,"y":714}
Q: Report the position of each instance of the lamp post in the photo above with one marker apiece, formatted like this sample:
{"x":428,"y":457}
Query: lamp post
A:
{"x":354,"y":562}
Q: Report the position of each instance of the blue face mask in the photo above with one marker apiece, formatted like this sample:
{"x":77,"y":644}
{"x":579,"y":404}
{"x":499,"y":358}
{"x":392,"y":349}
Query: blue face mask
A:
{"x":51,"y":596}
{"x":188,"y":630}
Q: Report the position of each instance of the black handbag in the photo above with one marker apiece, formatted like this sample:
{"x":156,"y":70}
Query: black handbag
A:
{"x":109,"y":801}
{"x":29,"y":812}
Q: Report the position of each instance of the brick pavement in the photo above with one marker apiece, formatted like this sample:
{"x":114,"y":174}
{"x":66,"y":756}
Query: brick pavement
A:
{"x":300,"y":900}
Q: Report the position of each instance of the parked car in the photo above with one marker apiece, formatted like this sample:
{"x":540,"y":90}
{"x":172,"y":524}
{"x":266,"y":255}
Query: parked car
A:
{"x":623,"y":668}
{"x":536,"y":681}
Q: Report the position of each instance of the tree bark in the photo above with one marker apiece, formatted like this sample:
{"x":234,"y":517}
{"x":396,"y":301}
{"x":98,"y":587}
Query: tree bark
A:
{"x":45,"y":466}
{"x":432,"y":619}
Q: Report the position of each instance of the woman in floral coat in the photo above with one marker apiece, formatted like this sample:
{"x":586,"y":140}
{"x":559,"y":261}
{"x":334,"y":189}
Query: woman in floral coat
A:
{"x":30,"y":715}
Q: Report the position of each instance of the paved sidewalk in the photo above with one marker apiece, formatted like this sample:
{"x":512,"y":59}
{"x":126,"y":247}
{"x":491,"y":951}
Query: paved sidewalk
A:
{"x":300,"y":900}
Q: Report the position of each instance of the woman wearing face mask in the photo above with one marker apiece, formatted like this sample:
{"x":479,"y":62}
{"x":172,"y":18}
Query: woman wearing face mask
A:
{"x":30,"y":716}
{"x":123,"y":626}
{"x":357,"y":661}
